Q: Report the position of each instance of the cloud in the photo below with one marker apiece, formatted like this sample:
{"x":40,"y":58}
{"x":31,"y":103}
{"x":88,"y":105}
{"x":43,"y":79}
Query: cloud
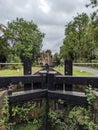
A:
{"x":44,"y":6}
{"x":63,"y":5}
{"x":54,"y":38}
{"x":50,"y":16}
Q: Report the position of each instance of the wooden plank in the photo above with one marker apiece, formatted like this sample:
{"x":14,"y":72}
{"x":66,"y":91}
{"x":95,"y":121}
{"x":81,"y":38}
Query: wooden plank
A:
{"x":23,"y":96}
{"x":7,"y":80}
{"x":69,"y":97}
{"x":76,"y":98}
{"x":77,"y":80}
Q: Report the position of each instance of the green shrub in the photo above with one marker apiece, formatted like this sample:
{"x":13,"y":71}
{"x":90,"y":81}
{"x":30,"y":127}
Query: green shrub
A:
{"x":75,"y":117}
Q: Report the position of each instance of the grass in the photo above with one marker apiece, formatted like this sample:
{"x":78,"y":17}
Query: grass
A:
{"x":10,"y":72}
{"x":76,"y":72}
{"x":16,"y":72}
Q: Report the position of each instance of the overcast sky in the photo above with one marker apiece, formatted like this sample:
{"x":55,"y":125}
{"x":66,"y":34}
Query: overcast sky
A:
{"x":51,"y":16}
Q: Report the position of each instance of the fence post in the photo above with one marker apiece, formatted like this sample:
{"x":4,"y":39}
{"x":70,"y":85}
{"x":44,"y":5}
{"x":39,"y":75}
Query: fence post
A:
{"x":27,"y":65}
{"x":68,"y":69}
{"x":50,"y":86}
{"x":27,"y":68}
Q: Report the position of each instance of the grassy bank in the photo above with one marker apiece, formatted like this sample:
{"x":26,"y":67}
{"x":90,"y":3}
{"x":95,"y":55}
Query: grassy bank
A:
{"x":13,"y":72}
{"x":16,"y":72}
{"x":76,"y":72}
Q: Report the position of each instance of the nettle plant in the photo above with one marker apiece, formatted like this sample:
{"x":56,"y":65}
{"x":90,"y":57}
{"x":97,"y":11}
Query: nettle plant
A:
{"x":23,"y":112}
{"x":76,"y":117}
{"x":4,"y":119}
{"x":90,"y":95}
{"x":4,"y":114}
{"x":29,"y":112}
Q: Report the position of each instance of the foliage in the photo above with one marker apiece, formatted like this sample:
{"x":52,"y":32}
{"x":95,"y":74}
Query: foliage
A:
{"x":32,"y":125}
{"x":30,"y":114}
{"x":92,"y":3}
{"x":24,"y":38}
{"x":4,"y":47}
{"x":80,"y":39}
{"x":4,"y":121}
{"x":90,"y":95}
{"x":48,"y":51}
{"x":95,"y":65}
{"x":15,"y":59}
{"x":80,"y":117}
{"x":57,"y":123}
{"x":56,"y":59}
{"x":5,"y":113}
{"x":24,"y":112}
{"x":75,"y":117}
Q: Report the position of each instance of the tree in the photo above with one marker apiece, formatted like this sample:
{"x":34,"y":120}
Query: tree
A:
{"x":94,"y":26}
{"x":92,"y":3}
{"x":67,"y":50}
{"x":4,"y":47}
{"x":56,"y":59}
{"x":78,"y":43}
{"x":94,"y":20}
{"x":48,"y":51}
{"x":24,"y":37}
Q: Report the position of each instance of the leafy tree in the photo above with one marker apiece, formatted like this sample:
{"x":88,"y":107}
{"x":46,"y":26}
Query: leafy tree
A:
{"x":94,"y":26}
{"x":48,"y":51}
{"x":94,"y":21}
{"x":24,"y":37}
{"x":56,"y":59}
{"x":4,"y":47}
{"x":68,"y":44}
{"x":78,"y":43}
{"x":92,"y":3}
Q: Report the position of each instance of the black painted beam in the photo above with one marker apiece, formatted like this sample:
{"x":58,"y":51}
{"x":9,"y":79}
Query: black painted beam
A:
{"x":77,"y":80}
{"x":23,"y":96}
{"x":69,"y":97}
{"x":76,"y":98}
{"x":7,"y":80}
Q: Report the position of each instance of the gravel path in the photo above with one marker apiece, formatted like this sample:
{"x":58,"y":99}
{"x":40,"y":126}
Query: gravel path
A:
{"x":88,"y":69}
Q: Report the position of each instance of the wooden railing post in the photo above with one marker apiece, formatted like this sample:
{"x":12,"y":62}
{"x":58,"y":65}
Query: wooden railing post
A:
{"x":68,"y":70}
{"x":68,"y":67}
{"x":43,"y":74}
{"x":51,"y":84}
{"x":27,"y":68}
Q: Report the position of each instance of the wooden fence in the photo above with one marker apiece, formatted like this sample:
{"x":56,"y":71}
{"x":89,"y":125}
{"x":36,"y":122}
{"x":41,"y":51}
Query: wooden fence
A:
{"x":51,"y":86}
